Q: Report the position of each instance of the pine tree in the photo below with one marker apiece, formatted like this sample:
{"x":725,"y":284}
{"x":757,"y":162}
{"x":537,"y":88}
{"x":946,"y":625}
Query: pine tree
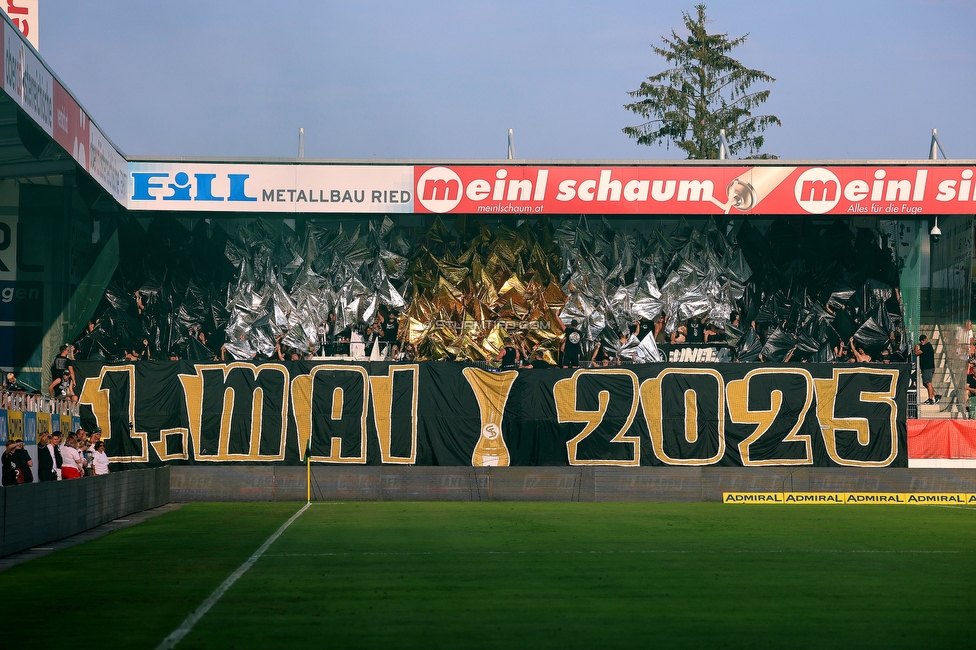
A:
{"x":704,"y":91}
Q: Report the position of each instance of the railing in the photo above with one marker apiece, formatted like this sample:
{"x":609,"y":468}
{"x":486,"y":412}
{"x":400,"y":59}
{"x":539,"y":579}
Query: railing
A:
{"x":34,"y":403}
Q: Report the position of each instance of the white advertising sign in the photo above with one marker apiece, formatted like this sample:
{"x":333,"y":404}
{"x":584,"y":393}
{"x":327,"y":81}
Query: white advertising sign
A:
{"x":27,"y":80}
{"x":269,"y":188}
{"x":23,"y":14}
{"x":106,"y":165}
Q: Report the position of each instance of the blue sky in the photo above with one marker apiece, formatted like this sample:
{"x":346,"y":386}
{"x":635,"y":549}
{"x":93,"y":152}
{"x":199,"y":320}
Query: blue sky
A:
{"x":446,"y":80}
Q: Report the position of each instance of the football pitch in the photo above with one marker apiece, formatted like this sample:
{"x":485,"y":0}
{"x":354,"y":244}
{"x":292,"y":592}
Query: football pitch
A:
{"x":552,"y":575}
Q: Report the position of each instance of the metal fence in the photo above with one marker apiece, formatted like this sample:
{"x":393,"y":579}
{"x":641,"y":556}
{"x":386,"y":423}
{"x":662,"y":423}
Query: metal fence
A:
{"x":34,"y":403}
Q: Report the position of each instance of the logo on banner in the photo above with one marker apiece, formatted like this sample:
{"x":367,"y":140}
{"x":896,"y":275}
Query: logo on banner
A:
{"x":817,"y":190}
{"x":439,"y":189}
{"x":149,"y":186}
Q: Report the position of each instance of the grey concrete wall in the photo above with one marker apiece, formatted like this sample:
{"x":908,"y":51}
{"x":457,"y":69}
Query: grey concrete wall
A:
{"x":335,"y":483}
{"x":37,"y":513}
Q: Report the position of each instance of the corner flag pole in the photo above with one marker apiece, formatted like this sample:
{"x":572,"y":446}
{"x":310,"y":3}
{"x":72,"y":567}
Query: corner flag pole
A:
{"x":308,"y":471}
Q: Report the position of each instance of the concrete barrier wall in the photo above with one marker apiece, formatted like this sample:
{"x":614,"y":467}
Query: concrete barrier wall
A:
{"x":280,"y":483}
{"x":37,"y":513}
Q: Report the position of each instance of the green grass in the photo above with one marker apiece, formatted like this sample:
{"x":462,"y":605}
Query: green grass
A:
{"x":533,"y":575}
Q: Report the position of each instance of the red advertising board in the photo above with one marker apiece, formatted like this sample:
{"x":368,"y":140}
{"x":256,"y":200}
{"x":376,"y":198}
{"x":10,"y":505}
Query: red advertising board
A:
{"x":70,"y":125}
{"x":884,"y":190}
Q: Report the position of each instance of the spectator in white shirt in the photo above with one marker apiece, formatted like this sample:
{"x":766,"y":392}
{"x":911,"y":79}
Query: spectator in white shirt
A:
{"x":357,"y":348}
{"x":73,"y":465}
{"x":100,"y":459}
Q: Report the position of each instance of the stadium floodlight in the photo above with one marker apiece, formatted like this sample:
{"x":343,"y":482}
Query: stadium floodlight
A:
{"x":936,"y":146}
{"x":511,"y":144}
{"x":301,"y":142}
{"x":723,"y":145}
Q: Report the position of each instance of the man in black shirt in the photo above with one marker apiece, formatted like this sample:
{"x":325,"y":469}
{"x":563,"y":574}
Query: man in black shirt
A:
{"x":390,"y":327}
{"x":16,"y":464}
{"x":509,"y":356}
{"x":63,"y":362}
{"x":696,"y":331}
{"x":572,"y":345}
{"x":926,"y":363}
{"x":540,"y":361}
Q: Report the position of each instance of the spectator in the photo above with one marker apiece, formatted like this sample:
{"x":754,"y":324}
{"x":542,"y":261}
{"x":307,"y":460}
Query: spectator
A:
{"x":357,"y":348}
{"x":409,"y":352}
{"x":100,"y":459}
{"x":55,"y":450}
{"x":16,"y":464}
{"x":680,"y":335}
{"x":860,"y":356}
{"x":714,"y":334}
{"x":696,"y":330}
{"x":64,"y":362}
{"x":971,"y":381}
{"x":391,"y":327}
{"x":46,"y":460}
{"x":374,"y":333}
{"x":63,"y":387}
{"x":625,"y":357}
{"x":659,"y":334}
{"x":926,"y":363}
{"x":96,"y":436}
{"x":509,"y":355}
{"x":74,"y":465}
{"x":540,"y":360}
{"x":343,"y":339}
{"x":599,"y":356}
{"x":327,"y":339}
{"x":571,"y":346}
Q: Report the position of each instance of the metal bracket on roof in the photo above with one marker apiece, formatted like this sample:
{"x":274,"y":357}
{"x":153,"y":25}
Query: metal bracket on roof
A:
{"x":936,"y":146}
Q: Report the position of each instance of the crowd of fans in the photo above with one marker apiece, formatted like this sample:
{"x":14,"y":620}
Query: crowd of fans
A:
{"x":356,"y":341}
{"x":361,"y":339}
{"x":79,"y":454}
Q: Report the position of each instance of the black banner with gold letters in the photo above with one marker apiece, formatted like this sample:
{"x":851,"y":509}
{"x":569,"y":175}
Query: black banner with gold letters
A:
{"x":444,"y":413}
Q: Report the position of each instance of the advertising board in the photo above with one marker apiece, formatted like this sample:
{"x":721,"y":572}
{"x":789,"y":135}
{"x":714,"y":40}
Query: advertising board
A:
{"x":270,"y":188}
{"x":882,"y":190}
{"x":23,"y":14}
{"x":523,"y":190}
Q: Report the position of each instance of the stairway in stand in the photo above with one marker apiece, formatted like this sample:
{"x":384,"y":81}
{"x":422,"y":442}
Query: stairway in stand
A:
{"x":951,"y":387}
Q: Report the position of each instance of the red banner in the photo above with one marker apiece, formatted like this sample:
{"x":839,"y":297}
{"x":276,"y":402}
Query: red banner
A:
{"x":70,"y":125}
{"x":941,"y":439}
{"x":883,"y":191}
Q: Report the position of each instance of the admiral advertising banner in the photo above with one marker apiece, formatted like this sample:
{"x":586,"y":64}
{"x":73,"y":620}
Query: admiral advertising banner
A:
{"x":443,"y":413}
{"x":562,"y":189}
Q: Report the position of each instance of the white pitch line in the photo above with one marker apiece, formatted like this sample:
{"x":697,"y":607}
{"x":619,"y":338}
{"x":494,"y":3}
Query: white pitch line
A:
{"x":191,"y":620}
{"x":648,"y":552}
